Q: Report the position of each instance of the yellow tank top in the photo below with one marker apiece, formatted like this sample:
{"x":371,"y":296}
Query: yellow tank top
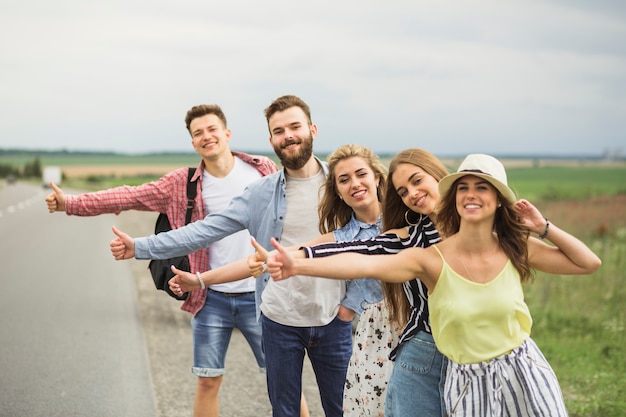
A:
{"x":473,"y":322}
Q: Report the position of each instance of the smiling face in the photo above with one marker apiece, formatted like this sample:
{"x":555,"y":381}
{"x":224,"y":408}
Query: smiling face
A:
{"x":209,"y":137}
{"x":418,"y":190}
{"x":475,"y":198}
{"x":356,"y":183}
{"x":292,"y":137}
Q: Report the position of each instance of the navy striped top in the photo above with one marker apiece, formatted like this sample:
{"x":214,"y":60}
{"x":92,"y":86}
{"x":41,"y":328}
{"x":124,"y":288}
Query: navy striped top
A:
{"x":423,"y":235}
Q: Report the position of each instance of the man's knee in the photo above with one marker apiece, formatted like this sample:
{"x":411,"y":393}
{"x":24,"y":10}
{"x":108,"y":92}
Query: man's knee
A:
{"x":210,"y":383}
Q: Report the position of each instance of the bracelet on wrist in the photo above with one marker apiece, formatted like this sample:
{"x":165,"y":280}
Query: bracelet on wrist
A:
{"x":547,"y":229}
{"x":202,"y":285}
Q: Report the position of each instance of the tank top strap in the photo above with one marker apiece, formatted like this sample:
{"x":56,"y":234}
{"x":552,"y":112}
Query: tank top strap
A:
{"x":440,"y":254}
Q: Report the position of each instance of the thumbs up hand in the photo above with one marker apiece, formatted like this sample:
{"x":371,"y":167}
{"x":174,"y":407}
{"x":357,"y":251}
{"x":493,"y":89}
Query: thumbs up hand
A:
{"x":56,"y":199}
{"x":123,"y":246}
{"x":257,"y":261}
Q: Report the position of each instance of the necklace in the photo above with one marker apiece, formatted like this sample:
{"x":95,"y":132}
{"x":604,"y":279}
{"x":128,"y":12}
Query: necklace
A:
{"x":469,"y":274}
{"x":467,"y":270}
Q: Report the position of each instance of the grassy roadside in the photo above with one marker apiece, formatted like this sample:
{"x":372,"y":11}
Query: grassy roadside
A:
{"x":579,"y":321}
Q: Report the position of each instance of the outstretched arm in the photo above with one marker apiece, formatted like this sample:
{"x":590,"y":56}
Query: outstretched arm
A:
{"x":185,"y":281}
{"x":257,"y":264}
{"x":568,"y":256}
{"x":326,"y":245}
{"x":400,"y":267}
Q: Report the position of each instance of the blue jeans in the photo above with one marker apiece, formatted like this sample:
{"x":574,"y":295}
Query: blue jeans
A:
{"x":416,"y":383}
{"x":213,"y":326}
{"x":329,"y":348}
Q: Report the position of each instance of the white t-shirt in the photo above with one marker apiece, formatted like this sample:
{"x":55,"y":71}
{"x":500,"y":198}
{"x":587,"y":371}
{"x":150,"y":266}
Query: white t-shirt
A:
{"x":217,"y":193}
{"x":302,"y":301}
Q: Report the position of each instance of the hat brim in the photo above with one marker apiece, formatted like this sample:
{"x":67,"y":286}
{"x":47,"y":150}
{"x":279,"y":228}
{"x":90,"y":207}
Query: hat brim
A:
{"x":446,"y":182}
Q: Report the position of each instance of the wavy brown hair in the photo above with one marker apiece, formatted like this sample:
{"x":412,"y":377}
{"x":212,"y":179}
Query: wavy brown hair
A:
{"x":333,"y":211}
{"x":394,"y":211}
{"x":203,"y":110}
{"x":285,"y":102}
{"x":512,"y":234}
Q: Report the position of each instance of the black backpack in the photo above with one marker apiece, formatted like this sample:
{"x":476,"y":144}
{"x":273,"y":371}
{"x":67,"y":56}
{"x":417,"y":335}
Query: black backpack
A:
{"x":160,"y":268}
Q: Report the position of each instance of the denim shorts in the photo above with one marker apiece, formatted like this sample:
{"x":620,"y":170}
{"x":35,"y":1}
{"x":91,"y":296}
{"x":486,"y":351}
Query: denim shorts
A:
{"x":213,"y":326}
{"x":416,"y":384}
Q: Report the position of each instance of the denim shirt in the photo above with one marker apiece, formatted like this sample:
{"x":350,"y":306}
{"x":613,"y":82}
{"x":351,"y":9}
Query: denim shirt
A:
{"x":261,"y":209}
{"x":360,"y":292}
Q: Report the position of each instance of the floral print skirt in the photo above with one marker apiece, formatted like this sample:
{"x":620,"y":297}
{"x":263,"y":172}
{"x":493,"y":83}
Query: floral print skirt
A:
{"x":370,"y":367}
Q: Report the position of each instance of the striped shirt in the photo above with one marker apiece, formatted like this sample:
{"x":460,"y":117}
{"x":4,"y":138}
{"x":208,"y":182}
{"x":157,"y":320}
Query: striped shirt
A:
{"x":423,"y":235}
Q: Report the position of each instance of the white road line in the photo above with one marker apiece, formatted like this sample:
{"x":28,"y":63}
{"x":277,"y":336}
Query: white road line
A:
{"x":36,"y":199}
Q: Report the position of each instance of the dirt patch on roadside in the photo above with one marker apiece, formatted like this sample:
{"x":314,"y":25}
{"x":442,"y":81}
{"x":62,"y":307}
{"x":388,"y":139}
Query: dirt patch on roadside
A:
{"x":600,"y":216}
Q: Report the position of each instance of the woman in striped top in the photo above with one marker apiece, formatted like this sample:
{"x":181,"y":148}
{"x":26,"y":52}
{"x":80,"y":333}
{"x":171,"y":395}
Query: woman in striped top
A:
{"x":415,"y":386}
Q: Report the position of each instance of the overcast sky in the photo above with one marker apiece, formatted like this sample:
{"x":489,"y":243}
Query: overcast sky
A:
{"x":453,"y":77}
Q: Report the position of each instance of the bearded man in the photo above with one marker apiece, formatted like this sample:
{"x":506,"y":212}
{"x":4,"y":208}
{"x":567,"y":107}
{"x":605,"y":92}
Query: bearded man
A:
{"x":302,"y":314}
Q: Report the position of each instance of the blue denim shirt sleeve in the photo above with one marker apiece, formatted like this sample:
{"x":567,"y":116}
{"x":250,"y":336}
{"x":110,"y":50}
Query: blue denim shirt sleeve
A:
{"x":251,"y":210}
{"x":261,"y":209}
{"x":364,"y":291}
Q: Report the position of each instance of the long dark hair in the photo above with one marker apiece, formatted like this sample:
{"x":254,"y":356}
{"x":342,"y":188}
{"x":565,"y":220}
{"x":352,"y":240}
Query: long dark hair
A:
{"x":393,"y":206}
{"x":394,"y":217}
{"x":512,"y":234}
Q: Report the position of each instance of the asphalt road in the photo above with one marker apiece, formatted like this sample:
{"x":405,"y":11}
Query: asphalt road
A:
{"x":84,"y":335}
{"x":71,"y":342}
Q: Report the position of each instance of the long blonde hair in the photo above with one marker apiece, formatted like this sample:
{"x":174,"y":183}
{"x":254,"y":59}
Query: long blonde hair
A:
{"x":333,"y":212}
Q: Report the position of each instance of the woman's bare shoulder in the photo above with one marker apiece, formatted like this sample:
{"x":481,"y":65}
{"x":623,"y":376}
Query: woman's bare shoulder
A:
{"x":402,"y":232}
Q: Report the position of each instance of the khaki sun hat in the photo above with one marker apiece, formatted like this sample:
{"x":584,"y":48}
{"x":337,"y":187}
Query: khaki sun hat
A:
{"x":483,"y":166}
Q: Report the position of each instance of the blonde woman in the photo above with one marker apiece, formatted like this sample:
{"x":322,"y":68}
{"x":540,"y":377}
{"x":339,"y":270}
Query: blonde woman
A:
{"x":350,"y":212}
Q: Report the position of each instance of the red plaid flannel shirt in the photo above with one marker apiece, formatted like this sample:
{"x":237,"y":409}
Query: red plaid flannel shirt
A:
{"x":166,"y":195}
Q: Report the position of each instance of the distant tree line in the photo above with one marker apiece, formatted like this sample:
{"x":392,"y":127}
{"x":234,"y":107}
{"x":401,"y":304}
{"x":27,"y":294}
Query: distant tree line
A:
{"x":20,"y":152}
{"x":28,"y":170}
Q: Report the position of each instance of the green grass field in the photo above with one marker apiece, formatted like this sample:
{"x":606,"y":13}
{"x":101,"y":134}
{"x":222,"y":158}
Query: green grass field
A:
{"x":567,"y":182}
{"x":579,"y":320}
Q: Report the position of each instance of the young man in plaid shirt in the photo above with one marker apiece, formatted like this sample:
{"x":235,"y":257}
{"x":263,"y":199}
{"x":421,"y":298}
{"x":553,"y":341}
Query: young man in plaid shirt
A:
{"x":221,"y":175}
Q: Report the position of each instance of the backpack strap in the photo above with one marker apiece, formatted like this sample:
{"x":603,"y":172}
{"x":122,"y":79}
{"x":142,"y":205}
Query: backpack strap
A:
{"x":191,"y":194}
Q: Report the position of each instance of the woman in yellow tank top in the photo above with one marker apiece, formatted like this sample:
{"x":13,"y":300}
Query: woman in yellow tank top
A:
{"x":474,"y":276}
